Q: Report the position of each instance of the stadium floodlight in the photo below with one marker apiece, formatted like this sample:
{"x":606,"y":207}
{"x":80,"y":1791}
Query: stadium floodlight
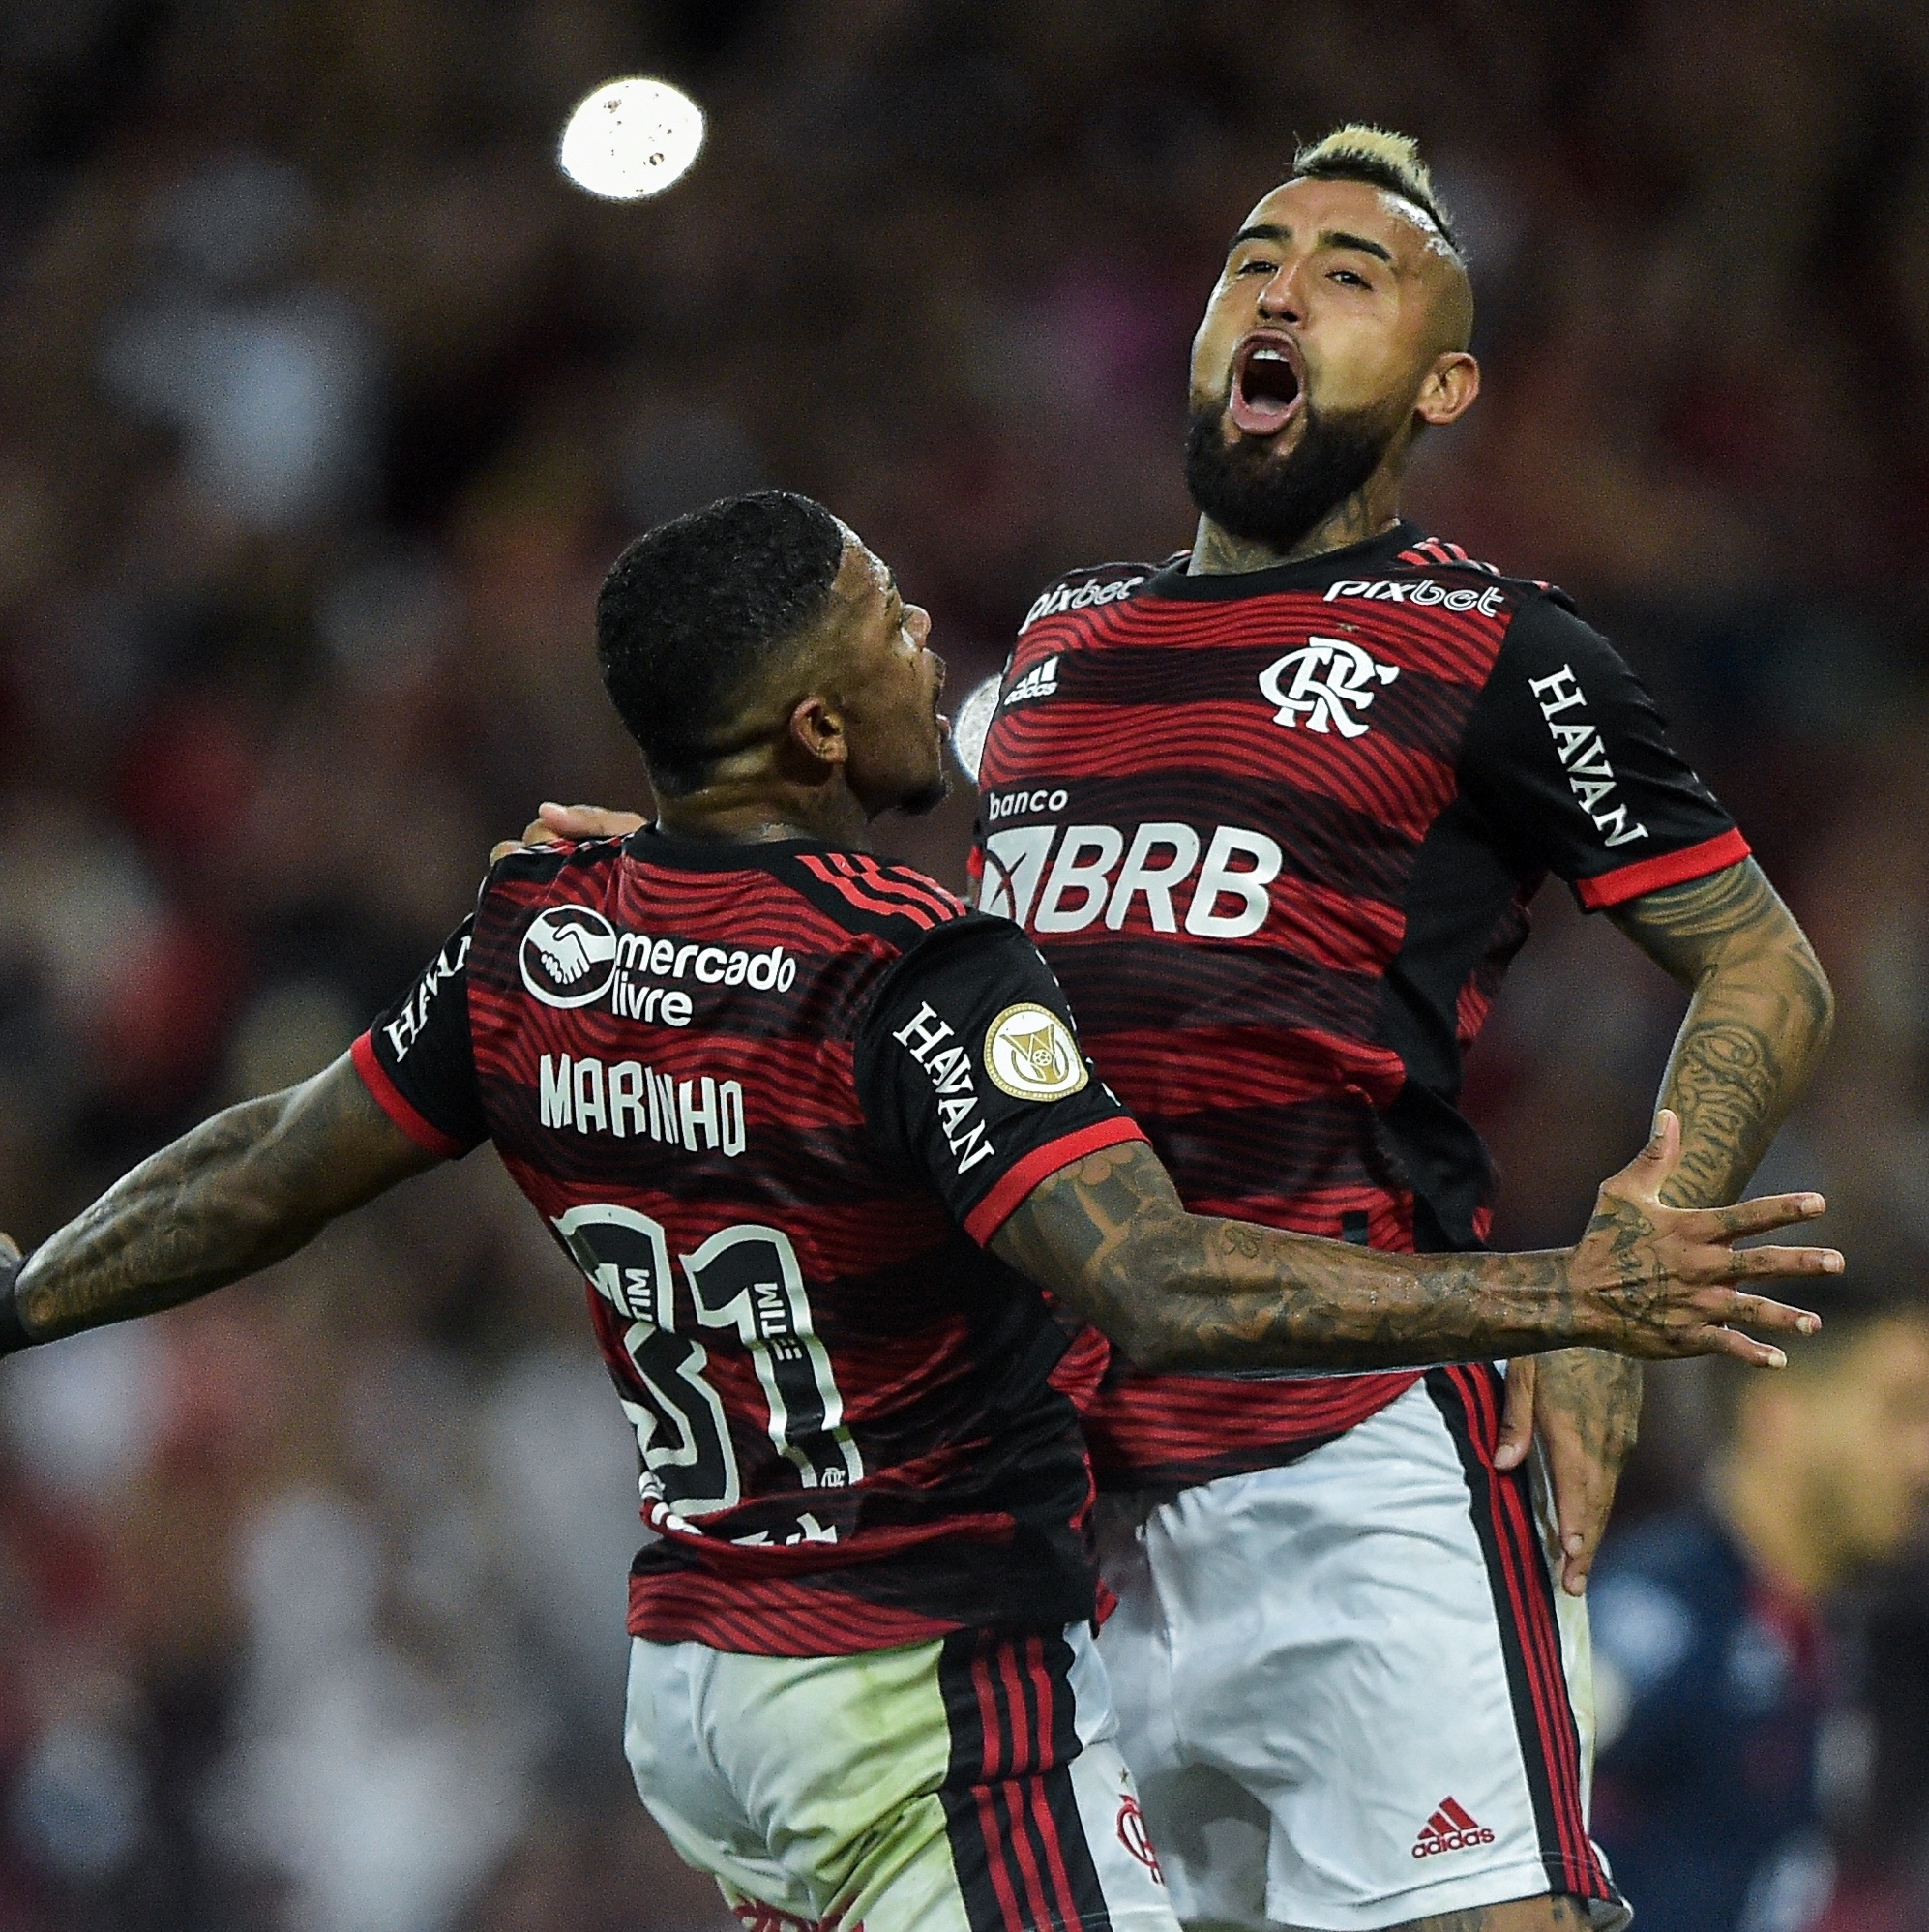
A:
{"x":971,"y":726}
{"x":630,"y":138}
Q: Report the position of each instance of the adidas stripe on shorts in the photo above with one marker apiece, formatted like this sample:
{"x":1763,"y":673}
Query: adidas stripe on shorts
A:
{"x":968,"y":1785}
{"x":1349,"y":1688}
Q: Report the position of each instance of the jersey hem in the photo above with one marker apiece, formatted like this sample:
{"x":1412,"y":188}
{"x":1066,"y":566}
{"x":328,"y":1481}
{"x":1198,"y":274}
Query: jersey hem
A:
{"x":1129,"y":1455}
{"x":1656,"y":874}
{"x":1008,"y":1193}
{"x":389,"y":1097}
{"x":795,"y":1620}
{"x":725,"y":1633}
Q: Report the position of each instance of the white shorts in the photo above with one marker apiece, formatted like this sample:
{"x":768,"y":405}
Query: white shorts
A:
{"x":968,"y":1785}
{"x":1349,"y":1688}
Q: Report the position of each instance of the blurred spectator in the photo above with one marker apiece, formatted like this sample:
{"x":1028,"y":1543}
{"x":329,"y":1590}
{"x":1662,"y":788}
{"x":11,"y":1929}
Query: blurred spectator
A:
{"x":271,"y":386}
{"x":1714,"y":1685}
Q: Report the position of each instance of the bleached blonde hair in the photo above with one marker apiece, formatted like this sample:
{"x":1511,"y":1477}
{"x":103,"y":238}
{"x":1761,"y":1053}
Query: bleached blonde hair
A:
{"x":1381,"y":158}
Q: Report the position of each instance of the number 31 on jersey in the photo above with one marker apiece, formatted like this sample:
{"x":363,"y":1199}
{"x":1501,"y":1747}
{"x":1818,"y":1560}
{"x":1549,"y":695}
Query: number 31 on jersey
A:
{"x":743,"y":1281}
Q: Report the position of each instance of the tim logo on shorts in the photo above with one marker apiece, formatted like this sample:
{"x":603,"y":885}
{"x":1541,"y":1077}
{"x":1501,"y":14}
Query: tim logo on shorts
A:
{"x":1451,"y":1829}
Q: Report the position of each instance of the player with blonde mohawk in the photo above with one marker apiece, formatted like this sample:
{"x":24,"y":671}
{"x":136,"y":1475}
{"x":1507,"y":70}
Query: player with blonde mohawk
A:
{"x":1274,"y":812}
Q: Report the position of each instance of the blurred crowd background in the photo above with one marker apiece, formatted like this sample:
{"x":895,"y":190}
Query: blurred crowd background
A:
{"x":325,"y":402}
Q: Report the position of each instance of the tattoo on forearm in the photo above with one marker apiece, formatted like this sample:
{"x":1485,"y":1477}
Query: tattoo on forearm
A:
{"x":1725,"y":1084}
{"x":1759,"y":1017}
{"x":1176,"y":1290}
{"x":237,"y":1193}
{"x":1110,"y":1237}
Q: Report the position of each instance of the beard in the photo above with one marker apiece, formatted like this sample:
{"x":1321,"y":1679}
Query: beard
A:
{"x":1278,"y":501}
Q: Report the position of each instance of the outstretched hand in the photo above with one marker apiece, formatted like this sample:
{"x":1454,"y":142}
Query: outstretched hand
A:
{"x":568,"y":821}
{"x":1655,"y":1281}
{"x":1585,"y":1405}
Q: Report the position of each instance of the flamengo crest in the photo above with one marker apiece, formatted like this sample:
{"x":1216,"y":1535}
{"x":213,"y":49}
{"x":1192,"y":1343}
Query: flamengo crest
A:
{"x":1326,"y":683}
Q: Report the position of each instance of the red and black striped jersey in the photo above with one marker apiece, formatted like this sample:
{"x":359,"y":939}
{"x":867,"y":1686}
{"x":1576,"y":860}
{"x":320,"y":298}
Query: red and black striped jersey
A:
{"x":773,"y":1099}
{"x":1277,"y":834}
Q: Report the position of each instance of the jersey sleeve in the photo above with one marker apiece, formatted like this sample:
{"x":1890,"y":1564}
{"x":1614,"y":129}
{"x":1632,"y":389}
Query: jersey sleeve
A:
{"x":1568,"y":757}
{"x":418,"y":1061}
{"x":970,"y":1070}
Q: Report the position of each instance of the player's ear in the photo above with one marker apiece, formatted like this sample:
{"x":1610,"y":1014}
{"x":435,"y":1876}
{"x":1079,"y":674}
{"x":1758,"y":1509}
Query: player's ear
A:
{"x":1448,"y":390}
{"x":816,"y":729}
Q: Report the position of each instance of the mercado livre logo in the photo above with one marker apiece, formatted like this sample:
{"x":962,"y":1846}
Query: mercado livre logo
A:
{"x":568,"y":956}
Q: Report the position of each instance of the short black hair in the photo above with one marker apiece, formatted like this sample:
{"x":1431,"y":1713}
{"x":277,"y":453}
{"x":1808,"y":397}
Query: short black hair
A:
{"x":1382,"y":158}
{"x":694,"y":610}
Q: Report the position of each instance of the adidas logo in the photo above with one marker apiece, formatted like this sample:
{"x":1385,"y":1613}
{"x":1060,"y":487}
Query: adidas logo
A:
{"x":1451,"y":1829}
{"x":1040,"y":681}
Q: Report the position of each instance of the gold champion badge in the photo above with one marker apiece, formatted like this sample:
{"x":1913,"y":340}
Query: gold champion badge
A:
{"x":1030,"y":1055}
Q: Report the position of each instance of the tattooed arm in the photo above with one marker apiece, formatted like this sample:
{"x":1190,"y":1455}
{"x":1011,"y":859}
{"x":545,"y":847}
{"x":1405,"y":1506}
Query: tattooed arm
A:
{"x":1759,"y":1017}
{"x":242,"y":1190}
{"x":1109,"y":1236}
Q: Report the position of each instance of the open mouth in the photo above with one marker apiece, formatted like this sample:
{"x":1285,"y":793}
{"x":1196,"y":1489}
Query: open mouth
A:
{"x":1269,"y":381}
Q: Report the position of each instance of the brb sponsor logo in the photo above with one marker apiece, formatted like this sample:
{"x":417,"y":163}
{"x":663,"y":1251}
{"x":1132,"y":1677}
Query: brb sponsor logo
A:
{"x":1009,"y":804}
{"x":1324,"y":684}
{"x":1061,"y":880}
{"x":572,"y":956}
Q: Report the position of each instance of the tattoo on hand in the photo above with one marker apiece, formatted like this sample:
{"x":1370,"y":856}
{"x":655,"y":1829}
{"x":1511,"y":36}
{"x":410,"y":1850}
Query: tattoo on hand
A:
{"x":1599,"y":1397}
